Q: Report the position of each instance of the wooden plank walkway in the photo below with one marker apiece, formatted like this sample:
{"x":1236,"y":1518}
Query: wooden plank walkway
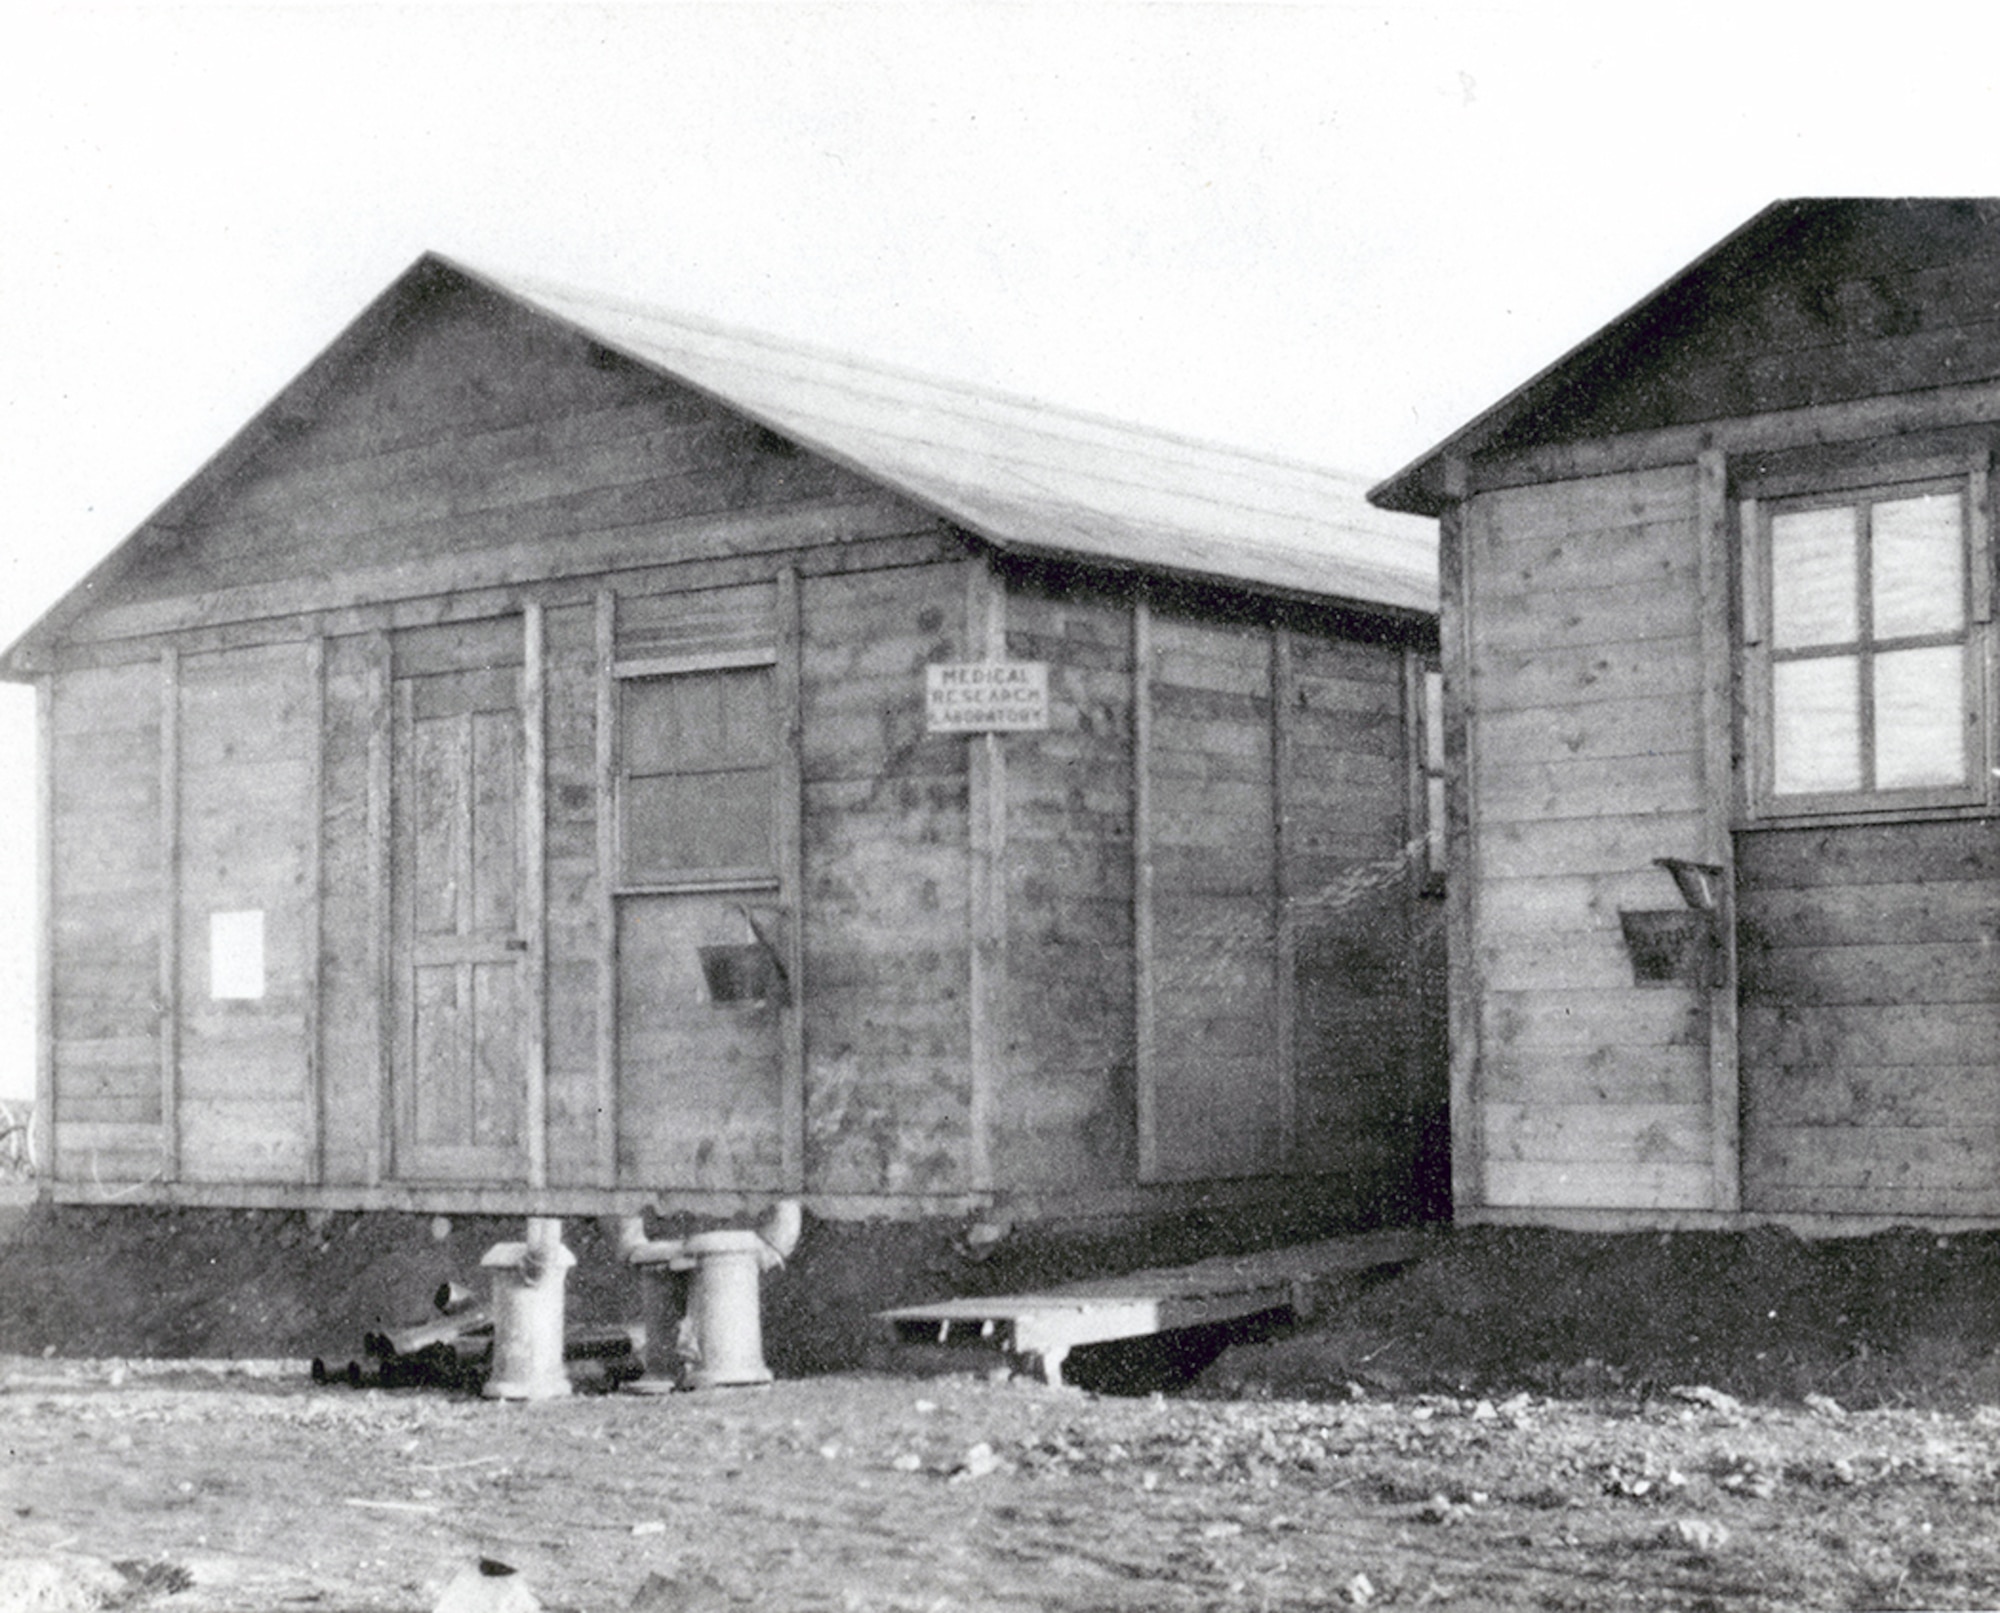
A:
{"x":1044,"y":1327}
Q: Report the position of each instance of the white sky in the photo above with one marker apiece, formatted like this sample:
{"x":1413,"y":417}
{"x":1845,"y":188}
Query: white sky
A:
{"x":1333,"y":232}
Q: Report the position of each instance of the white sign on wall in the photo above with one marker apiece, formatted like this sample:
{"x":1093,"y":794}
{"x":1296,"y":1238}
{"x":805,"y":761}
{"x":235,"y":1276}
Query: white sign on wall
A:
{"x":976,"y":697}
{"x":236,"y":956}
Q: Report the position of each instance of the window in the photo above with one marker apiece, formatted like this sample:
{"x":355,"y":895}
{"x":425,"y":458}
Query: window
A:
{"x":698,"y":777}
{"x":1863,"y":616}
{"x":1433,"y":773}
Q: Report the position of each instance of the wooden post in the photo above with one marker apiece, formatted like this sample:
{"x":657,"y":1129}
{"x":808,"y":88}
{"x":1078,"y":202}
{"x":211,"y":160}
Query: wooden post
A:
{"x":1985,"y":636}
{"x":1457,"y":576}
{"x":534,"y":881}
{"x":986,"y":635}
{"x":1284,"y":932}
{"x":315,"y":973}
{"x":607,"y":883}
{"x":43,"y":1133}
{"x":1416,"y":849}
{"x":381,"y":724}
{"x":170,"y":914}
{"x":1718,"y":720}
{"x":1143,"y":1018}
{"x":790,"y":674}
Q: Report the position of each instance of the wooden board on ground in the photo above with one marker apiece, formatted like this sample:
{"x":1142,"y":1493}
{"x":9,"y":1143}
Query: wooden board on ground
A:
{"x":1043,"y":1327}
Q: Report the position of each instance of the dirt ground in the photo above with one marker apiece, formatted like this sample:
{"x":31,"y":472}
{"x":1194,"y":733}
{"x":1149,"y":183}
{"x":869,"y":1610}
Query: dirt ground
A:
{"x":1515,"y":1420}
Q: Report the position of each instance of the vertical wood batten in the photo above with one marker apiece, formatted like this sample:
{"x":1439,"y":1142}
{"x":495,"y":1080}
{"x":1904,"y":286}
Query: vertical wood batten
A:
{"x":315,"y":961}
{"x":534,"y":879}
{"x":43,"y":1121}
{"x":1457,"y":579}
{"x":381,"y":901}
{"x":170,"y":913}
{"x":1984,"y":701}
{"x":1284,"y":704}
{"x":1718,"y":751}
{"x":791,"y":879}
{"x":1145,"y":1068}
{"x":1417,"y":867}
{"x":607,"y":879}
{"x":986,"y":637}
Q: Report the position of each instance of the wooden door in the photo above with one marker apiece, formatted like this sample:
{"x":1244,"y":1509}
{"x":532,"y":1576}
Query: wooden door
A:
{"x":460,"y":945}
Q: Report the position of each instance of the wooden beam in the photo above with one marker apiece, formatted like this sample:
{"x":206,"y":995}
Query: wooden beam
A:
{"x":1985,"y":632}
{"x":381,"y":881}
{"x":986,"y":638}
{"x":479,"y":604}
{"x":1284,"y":963}
{"x":790,"y":672}
{"x":315,"y":970}
{"x":170,"y":913}
{"x":607,"y":880}
{"x":43,"y":1133}
{"x":1903,"y":414}
{"x":534,"y":883}
{"x":1457,"y":581}
{"x":764,"y":531}
{"x":1144,"y":1021}
{"x":1719,"y":728}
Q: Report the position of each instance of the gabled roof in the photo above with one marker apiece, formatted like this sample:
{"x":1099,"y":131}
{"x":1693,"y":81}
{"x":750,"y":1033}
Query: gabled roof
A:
{"x":1031,"y":477}
{"x":1799,"y":279}
{"x":1024,"y":476}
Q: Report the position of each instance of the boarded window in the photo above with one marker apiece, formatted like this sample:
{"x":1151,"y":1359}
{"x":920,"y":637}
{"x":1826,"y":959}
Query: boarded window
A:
{"x":1867,"y":651}
{"x":698,"y":776}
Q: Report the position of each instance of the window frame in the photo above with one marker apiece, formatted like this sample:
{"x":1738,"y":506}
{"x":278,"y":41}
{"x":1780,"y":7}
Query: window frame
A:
{"x":1761,"y":802}
{"x":626,"y":673}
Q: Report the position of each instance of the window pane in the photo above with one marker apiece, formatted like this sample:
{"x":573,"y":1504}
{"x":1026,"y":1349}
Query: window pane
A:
{"x":1918,"y":566}
{"x":1813,"y":578}
{"x":697,"y":719}
{"x":1816,"y":725}
{"x":1434,"y":721}
{"x":1920,"y":718}
{"x":681,"y":824}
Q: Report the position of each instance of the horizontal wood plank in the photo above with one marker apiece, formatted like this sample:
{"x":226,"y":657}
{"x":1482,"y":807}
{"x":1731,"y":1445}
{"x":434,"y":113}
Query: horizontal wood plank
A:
{"x":1598,"y":787}
{"x":1676,"y":1075}
{"x":1603,"y":845}
{"x":1809,"y":1037}
{"x":1585,"y":1022}
{"x":1637,"y":1134}
{"x":1549,"y":1184}
{"x":1643,"y":726}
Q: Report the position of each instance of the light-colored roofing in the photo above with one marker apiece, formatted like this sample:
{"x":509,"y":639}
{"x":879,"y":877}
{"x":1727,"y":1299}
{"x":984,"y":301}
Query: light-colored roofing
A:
{"x":1030,"y":477}
{"x":1024,"y":476}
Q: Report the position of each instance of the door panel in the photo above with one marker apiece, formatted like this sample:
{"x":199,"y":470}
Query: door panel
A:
{"x":460,"y":1068}
{"x":701,"y":1000}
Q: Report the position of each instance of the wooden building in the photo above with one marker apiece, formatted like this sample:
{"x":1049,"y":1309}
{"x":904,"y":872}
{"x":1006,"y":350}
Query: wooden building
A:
{"x":524,"y":772}
{"x":1718,"y":587}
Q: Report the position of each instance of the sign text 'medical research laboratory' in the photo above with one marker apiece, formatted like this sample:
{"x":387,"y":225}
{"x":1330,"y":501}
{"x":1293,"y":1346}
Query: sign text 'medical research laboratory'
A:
{"x":983,"y":696}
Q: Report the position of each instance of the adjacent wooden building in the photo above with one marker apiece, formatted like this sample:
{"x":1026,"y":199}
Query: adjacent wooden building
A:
{"x":1718,"y":587}
{"x":520,"y":773}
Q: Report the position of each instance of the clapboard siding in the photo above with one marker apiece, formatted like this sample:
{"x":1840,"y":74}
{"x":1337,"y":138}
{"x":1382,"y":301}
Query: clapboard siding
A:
{"x":1063,"y":1115}
{"x":108,"y":883}
{"x":1365,"y":948}
{"x":1218,"y":1090}
{"x":574,"y":914}
{"x":249,"y":732}
{"x":1871,"y":1015}
{"x":886,"y":824}
{"x":353,"y":1057}
{"x":1588,"y":764}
